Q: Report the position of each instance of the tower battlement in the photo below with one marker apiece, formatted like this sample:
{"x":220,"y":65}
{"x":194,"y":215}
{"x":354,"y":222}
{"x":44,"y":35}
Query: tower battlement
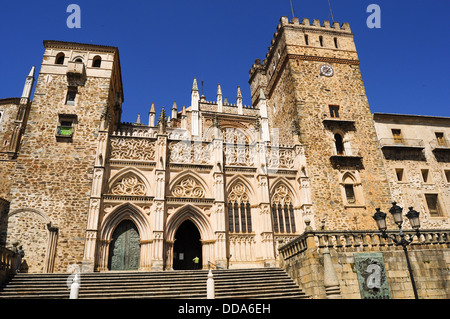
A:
{"x":333,"y":30}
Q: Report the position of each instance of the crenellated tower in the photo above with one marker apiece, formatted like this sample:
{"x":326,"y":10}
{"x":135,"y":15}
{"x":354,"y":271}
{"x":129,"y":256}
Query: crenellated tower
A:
{"x":313,"y":84}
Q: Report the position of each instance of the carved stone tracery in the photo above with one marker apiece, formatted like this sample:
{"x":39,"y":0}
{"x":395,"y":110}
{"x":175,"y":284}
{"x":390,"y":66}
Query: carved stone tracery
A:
{"x":133,"y":149}
{"x":281,"y":196}
{"x":238,"y":194}
{"x":188,"y":187}
{"x":129,"y":185}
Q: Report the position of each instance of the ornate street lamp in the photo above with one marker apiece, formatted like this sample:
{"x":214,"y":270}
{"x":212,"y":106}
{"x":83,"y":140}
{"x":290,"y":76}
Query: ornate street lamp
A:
{"x":413,"y":217}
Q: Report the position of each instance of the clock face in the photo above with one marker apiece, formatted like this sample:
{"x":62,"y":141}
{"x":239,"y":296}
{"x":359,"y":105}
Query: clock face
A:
{"x":326,"y":70}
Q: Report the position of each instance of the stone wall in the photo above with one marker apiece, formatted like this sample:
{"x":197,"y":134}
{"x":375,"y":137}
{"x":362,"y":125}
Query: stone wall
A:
{"x":423,"y":169}
{"x":430,"y":259}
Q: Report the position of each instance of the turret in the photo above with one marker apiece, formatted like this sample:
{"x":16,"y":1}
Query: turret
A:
{"x":195,"y":97}
{"x":28,"y":84}
{"x":262,"y":105}
{"x":174,"y":110}
{"x":195,"y":120}
{"x":219,"y":99}
{"x":239,"y":101}
{"x":183,"y":118}
{"x":151,"y":115}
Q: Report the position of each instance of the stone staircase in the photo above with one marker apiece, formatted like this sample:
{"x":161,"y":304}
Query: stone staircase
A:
{"x":264,"y":283}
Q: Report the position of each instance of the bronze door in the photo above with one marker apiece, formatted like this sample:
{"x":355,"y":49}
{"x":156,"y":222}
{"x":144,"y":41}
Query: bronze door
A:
{"x":125,"y":248}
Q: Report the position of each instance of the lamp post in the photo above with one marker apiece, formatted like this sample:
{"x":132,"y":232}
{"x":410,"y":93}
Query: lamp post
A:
{"x":413,"y":217}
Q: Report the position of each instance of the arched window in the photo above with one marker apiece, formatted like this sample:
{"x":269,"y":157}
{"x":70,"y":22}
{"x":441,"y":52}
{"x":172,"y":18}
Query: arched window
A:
{"x":306,"y":39}
{"x":97,"y":62}
{"x":352,"y":191}
{"x":339,"y":143}
{"x":239,"y":213}
{"x":321,"y":41}
{"x":336,"y":43}
{"x":283,"y":211}
{"x":79,"y":60}
{"x":59,"y":58}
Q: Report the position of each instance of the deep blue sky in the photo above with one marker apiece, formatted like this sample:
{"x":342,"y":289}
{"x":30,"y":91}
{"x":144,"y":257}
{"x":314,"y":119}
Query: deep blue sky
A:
{"x":163,"y":45}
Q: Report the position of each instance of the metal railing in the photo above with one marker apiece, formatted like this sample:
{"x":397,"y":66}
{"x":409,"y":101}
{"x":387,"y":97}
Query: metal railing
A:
{"x":401,"y":142}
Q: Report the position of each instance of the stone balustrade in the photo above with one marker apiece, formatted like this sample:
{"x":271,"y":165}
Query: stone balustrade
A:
{"x":7,"y":263}
{"x":364,"y":240}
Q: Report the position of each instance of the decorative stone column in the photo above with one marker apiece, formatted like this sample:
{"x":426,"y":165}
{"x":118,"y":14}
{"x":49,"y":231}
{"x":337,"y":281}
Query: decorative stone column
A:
{"x":49,"y":262}
{"x":103,"y":255}
{"x":266,"y":234}
{"x":158,"y":221}
{"x":169,"y":254}
{"x":95,"y":203}
{"x":146,"y":255}
{"x":220,"y":256}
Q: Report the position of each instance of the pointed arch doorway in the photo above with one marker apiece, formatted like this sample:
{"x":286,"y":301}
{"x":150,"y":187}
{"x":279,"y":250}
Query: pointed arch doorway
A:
{"x":187,"y":246}
{"x":125,"y":250}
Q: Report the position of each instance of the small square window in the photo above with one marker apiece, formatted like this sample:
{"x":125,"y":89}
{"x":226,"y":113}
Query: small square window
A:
{"x":425,"y":175}
{"x":440,"y":138}
{"x":66,"y":125}
{"x":400,"y":173}
{"x":397,"y":134}
{"x":447,"y":175}
{"x":71,"y":95}
{"x":433,"y":205}
{"x":334,"y":111}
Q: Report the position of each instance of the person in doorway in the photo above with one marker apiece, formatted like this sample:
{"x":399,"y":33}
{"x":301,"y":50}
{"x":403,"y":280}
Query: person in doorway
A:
{"x":196,"y":261}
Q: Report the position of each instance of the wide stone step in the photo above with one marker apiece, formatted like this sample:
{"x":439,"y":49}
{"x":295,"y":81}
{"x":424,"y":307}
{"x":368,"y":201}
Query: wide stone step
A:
{"x":236,"y":283}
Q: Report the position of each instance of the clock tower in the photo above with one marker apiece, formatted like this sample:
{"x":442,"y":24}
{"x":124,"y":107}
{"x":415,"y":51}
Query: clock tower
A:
{"x":312,"y":82}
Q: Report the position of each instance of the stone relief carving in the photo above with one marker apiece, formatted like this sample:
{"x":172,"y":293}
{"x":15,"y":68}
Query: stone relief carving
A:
{"x":132,"y":149}
{"x":239,"y":155}
{"x":188,"y":187}
{"x":192,"y":153}
{"x":129,"y":185}
{"x":280,"y":158}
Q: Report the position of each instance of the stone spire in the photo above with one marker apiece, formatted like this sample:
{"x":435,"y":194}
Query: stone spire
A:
{"x":219,"y":99}
{"x":195,"y":117}
{"x":174,"y":110}
{"x":138,"y":120}
{"x":183,"y":118}
{"x":239,"y":101}
{"x":262,"y":105}
{"x":194,"y":85}
{"x":151,"y":115}
{"x":29,"y":84}
{"x":162,"y":121}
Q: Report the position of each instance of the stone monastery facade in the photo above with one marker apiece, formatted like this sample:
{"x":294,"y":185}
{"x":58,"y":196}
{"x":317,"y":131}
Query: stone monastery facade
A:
{"x":221,"y":181}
